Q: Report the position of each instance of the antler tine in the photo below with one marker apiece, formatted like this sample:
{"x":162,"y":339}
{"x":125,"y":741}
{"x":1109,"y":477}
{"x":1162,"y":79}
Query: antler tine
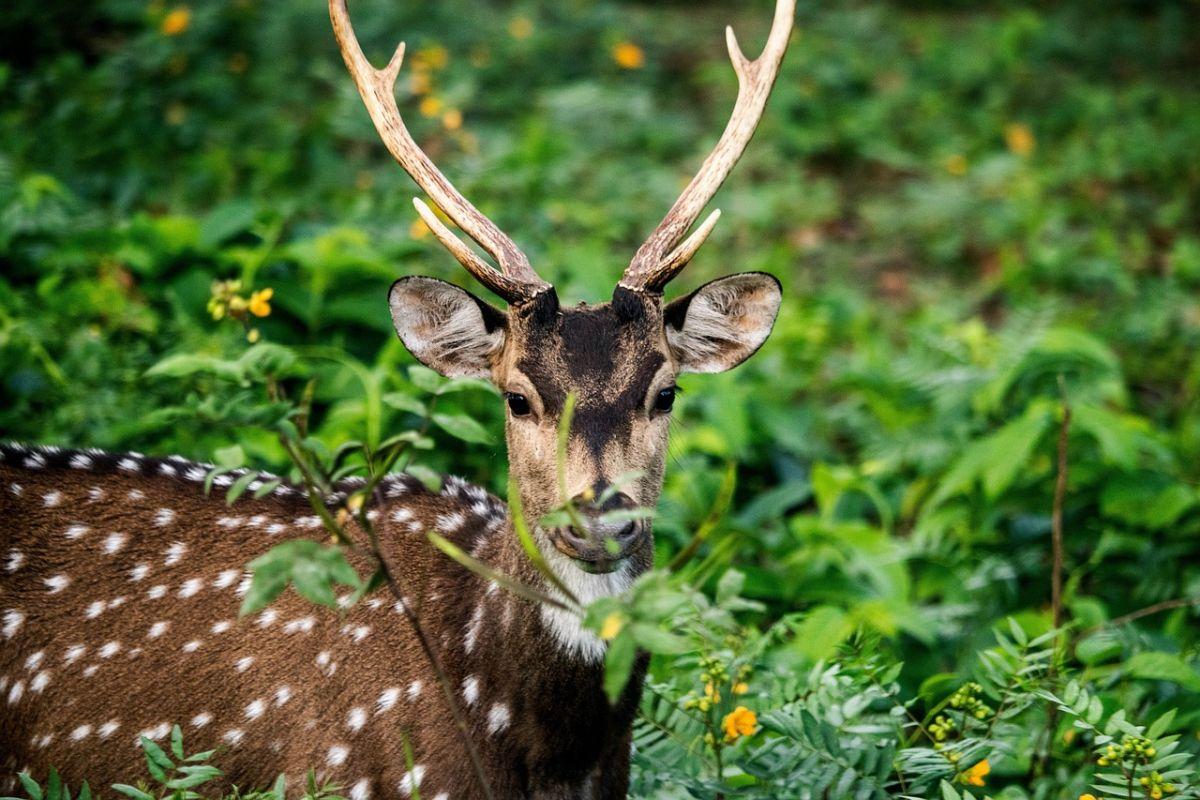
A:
{"x":516,"y":280}
{"x":655,"y":262}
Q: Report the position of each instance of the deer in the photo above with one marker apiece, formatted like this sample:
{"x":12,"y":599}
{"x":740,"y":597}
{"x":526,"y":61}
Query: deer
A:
{"x":120,"y":577}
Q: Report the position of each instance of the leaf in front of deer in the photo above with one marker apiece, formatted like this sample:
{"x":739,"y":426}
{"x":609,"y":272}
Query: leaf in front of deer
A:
{"x":32,"y":787}
{"x":54,"y":785}
{"x":424,"y":378}
{"x":463,"y":427}
{"x":618,"y":664}
{"x":132,"y":792}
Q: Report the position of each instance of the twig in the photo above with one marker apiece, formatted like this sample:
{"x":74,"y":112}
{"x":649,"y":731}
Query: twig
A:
{"x":1056,"y":519}
{"x":1165,"y":605}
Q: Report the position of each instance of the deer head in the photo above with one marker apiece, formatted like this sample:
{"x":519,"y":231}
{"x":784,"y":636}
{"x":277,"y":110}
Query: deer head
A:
{"x":619,"y":359}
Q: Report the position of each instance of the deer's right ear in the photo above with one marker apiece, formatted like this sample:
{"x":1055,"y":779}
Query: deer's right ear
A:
{"x":447,"y":328}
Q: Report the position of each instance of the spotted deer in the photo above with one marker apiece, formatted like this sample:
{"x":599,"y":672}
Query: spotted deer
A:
{"x":121,"y":579}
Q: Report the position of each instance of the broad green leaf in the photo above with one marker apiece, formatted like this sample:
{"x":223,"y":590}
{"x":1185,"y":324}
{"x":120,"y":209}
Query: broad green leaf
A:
{"x":463,"y":427}
{"x":618,"y":664}
{"x":1163,"y":667}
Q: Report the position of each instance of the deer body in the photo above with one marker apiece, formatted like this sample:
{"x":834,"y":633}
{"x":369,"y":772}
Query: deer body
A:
{"x":119,"y":593}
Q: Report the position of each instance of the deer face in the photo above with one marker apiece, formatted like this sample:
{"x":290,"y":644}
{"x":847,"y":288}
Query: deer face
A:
{"x":620,"y":360}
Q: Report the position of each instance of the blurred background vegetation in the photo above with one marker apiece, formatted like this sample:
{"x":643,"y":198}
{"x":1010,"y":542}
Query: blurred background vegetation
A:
{"x":980,"y":212}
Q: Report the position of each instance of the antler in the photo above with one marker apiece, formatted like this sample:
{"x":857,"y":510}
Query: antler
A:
{"x":655,"y":262}
{"x":516,"y":281}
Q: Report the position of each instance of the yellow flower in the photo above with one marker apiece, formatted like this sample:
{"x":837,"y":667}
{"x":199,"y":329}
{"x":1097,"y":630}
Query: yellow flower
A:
{"x":611,"y":626}
{"x":252,"y":335}
{"x":739,"y":722}
{"x":434,"y":58}
{"x":1019,"y":138}
{"x":975,"y":775}
{"x":260,"y":302}
{"x":176,"y":22}
{"x":741,"y":687}
{"x":628,"y":56}
{"x":520,"y":28}
{"x":956,"y":165}
{"x":710,"y":691}
{"x":452,"y":119}
{"x":418,"y":230}
{"x":430,"y":106}
{"x":1088,"y":796}
{"x":418,"y":83}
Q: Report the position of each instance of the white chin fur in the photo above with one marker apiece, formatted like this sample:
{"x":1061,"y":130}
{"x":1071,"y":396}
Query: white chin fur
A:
{"x":566,"y":627}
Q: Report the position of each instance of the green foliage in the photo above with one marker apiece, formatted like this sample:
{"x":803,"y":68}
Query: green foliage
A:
{"x":980,"y":216}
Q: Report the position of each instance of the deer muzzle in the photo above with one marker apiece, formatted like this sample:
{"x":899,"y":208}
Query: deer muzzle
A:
{"x":604,"y":530}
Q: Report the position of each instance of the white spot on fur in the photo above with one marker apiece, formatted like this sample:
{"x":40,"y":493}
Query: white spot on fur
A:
{"x":276,"y":528}
{"x":226,"y":578}
{"x":15,"y":559}
{"x":35,"y":660}
{"x":80,"y":461}
{"x":449,"y":523}
{"x":128,"y":465}
{"x":174,"y":553}
{"x":139,"y":572}
{"x":326,"y":663}
{"x":473,"y":628}
{"x":412,"y":780}
{"x":234,"y":736}
{"x":167,"y":469}
{"x":470,"y":689}
{"x":108,"y":729}
{"x":201,"y":719}
{"x":267,"y":618}
{"x":35,"y":461}
{"x":360,"y":632}
{"x":387,"y":699}
{"x":56,"y":583}
{"x":302,"y":625}
{"x":40,"y":682}
{"x":192,"y":646}
{"x":337,"y":755}
{"x":498,"y":718}
{"x":81,"y":733}
{"x":136,"y":494}
{"x":402,"y":515}
{"x":282,"y":695}
{"x":244,"y":585}
{"x":156,"y":592}
{"x":222,"y":626}
{"x":361,"y":790}
{"x":74,"y":653}
{"x":114,"y":542}
{"x":157,"y":630}
{"x":356,"y":719}
{"x":244,"y":663}
{"x":52,"y":499}
{"x":109,"y":649}
{"x":414,"y":690}
{"x":164,"y":517}
{"x":94,"y":609}
{"x":76,"y":531}
{"x":308,"y":522}
{"x":191,"y":587}
{"x":13,"y":620}
{"x":256,"y":709}
{"x":15,"y":692}
{"x":96,"y":494}
{"x":90,"y":670}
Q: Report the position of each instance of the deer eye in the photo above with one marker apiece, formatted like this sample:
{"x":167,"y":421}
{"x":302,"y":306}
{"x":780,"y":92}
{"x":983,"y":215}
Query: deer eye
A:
{"x":518,"y":404}
{"x":664,"y":399}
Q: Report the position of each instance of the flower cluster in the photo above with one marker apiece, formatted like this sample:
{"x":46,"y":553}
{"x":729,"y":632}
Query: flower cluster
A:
{"x":1137,"y":748}
{"x":941,"y":728}
{"x":227,"y":301}
{"x":966,"y":700}
{"x":1155,"y":786}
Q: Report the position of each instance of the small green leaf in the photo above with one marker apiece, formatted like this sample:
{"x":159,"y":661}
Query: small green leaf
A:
{"x":238,"y":488}
{"x":463,"y":427}
{"x":177,"y":741}
{"x":424,"y":378}
{"x":405,"y":402}
{"x":618,"y":664}
{"x":31,"y":786}
{"x":131,"y":791}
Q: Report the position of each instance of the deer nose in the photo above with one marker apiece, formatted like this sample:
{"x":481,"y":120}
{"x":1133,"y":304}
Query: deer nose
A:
{"x":603,"y":541}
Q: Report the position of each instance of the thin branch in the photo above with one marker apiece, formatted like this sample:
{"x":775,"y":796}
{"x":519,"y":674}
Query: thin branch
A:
{"x":1165,"y":605}
{"x":1056,"y":519}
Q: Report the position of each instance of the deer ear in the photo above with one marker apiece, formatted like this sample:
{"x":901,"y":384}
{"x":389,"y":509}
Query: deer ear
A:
{"x":447,"y":328}
{"x":722,"y":323}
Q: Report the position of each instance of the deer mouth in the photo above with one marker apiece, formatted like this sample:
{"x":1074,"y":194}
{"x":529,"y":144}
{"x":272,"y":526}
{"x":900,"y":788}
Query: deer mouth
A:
{"x":598,"y":552}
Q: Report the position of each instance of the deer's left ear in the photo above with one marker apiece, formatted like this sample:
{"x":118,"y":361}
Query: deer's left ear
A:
{"x":447,"y":328}
{"x":722,"y":323}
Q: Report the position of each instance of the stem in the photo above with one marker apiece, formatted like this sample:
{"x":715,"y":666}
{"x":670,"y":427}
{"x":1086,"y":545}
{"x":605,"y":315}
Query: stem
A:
{"x":1165,"y":605}
{"x":1056,"y":519}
